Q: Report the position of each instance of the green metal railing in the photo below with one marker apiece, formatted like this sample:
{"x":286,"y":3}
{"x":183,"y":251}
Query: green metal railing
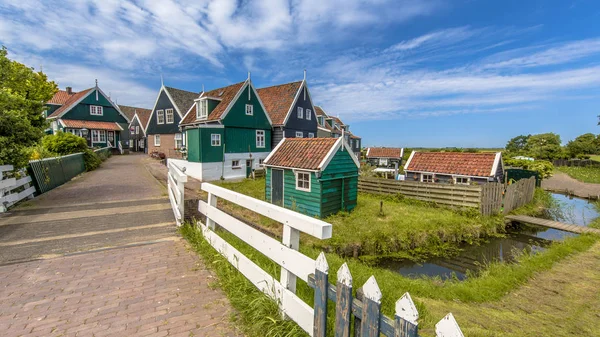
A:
{"x":50,"y":173}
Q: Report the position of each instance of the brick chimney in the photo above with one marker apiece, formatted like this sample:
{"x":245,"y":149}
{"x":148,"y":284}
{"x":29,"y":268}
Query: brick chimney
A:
{"x":69,"y":91}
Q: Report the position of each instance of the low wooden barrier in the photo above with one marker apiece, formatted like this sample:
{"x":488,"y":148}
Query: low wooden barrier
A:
{"x":576,"y":162}
{"x":52,"y":172}
{"x":176,"y":179}
{"x":13,"y":189}
{"x":519,"y":194}
{"x":445,"y":194}
{"x":364,"y":311}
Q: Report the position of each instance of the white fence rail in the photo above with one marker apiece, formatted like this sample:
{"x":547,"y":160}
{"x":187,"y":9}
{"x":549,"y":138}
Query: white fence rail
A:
{"x":8,"y":195}
{"x":176,"y":179}
{"x":293,"y":263}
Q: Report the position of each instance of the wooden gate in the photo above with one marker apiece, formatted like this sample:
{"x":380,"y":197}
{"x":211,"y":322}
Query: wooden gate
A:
{"x":13,"y":189}
{"x":176,"y":179}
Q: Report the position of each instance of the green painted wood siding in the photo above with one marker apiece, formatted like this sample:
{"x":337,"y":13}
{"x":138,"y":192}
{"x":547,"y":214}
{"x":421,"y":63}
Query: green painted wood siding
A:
{"x":193,"y":145}
{"x":240,"y":140}
{"x":341,"y":166}
{"x":199,"y":145}
{"x":82,"y":110}
{"x":236,"y":117}
{"x":308,"y":203}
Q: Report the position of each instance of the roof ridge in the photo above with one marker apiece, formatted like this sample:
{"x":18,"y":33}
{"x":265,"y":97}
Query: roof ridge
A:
{"x":278,"y":85}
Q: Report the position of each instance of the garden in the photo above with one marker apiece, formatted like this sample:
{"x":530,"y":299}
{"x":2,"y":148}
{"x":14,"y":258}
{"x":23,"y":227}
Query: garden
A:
{"x":486,"y":303}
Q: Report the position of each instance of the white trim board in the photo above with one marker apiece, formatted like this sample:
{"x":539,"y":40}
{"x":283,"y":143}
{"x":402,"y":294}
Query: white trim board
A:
{"x":409,"y":159}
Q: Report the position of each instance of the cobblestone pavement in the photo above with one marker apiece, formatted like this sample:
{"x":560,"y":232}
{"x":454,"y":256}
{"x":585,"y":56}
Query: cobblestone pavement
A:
{"x":158,"y":289}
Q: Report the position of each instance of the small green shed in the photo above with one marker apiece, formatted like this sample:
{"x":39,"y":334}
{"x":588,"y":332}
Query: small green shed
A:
{"x":313,"y":176}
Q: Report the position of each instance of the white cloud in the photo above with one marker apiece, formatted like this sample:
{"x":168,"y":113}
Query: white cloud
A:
{"x":441,"y":37}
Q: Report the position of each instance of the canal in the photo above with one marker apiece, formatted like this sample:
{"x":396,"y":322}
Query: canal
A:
{"x":474,"y":258}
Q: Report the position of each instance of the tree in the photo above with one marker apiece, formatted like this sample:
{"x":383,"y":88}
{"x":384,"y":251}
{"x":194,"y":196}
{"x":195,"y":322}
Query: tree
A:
{"x":544,"y":146}
{"x":23,"y":93}
{"x":587,"y":143}
{"x":517,"y":145}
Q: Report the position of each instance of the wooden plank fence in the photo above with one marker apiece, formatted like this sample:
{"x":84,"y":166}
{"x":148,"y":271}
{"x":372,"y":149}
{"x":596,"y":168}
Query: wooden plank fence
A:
{"x":50,"y":173}
{"x":363,"y":311}
{"x":445,"y":194}
{"x":519,"y":194}
{"x":576,"y":162}
{"x":490,"y":198}
{"x":13,"y":189}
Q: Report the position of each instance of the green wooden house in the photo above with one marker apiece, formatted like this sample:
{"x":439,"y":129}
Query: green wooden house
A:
{"x":227,"y":133}
{"x":314,"y":176}
{"x":89,"y":114}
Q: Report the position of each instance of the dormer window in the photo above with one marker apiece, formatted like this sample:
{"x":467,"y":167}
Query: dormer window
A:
{"x":202,"y":109}
{"x":300,"y":112}
{"x":249,"y":109}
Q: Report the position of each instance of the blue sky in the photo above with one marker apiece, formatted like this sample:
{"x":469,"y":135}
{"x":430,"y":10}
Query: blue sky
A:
{"x":401,"y":72}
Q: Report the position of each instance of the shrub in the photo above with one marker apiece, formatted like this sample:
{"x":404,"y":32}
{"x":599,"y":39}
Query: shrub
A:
{"x":92,"y":160}
{"x":543,"y":167}
{"x":64,"y":143}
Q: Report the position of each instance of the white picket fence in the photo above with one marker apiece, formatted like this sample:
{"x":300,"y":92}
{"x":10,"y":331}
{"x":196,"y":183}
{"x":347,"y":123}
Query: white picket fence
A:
{"x":293,"y":263}
{"x":8,"y":196}
{"x":297,"y":265}
{"x":176,"y":179}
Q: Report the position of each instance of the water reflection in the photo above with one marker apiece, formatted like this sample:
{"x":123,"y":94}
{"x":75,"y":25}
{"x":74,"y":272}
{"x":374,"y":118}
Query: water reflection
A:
{"x":473,"y":258}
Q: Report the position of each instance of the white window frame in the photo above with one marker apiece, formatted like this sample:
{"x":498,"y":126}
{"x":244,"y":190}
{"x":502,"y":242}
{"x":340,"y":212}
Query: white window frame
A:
{"x":299,"y":134}
{"x":311,"y":135}
{"x":300,"y":112}
{"x":383,"y":161}
{"x":233,"y":166}
{"x":467,"y":182}
{"x":215,"y":139}
{"x":308,"y":114}
{"x":300,"y":174}
{"x":169,"y":113}
{"x":260,"y":139}
{"x":137,"y":129}
{"x":423,"y":180}
{"x":156,"y":140}
{"x":202,"y":109}
{"x":160,"y":117}
{"x":178,"y":138}
{"x":260,"y":161}
{"x":250,"y":111}
{"x":96,"y":110}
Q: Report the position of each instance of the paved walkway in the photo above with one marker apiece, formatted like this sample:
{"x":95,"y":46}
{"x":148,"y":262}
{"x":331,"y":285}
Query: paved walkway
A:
{"x":561,"y":182}
{"x":100,"y":256}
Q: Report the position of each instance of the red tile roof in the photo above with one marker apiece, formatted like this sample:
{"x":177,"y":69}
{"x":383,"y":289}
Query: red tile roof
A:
{"x":143,"y":116}
{"x":78,"y":124}
{"x":60,"y":97}
{"x":130,"y":111}
{"x":458,"y":163}
{"x":384,"y":152}
{"x":67,"y":104}
{"x":226,"y":94}
{"x":278,"y":100}
{"x":301,"y":153}
{"x":320,"y":112}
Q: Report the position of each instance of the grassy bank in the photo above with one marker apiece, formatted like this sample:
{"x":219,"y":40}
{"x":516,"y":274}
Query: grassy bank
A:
{"x":477,"y":302}
{"x":407,"y":228}
{"x":584,"y":174}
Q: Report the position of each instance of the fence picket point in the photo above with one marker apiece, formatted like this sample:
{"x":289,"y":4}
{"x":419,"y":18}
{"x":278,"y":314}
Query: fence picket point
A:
{"x":321,"y":288}
{"x":448,"y":327}
{"x":371,"y":308}
{"x":406,"y":309}
{"x":343,"y":309}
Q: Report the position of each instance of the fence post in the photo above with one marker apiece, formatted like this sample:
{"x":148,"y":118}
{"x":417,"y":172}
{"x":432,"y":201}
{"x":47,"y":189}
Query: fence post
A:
{"x":405,"y":323}
{"x":343,"y":308}
{"x":212,"y":201}
{"x":371,"y":309}
{"x":321,"y":288}
{"x":357,"y":321}
{"x":291,"y":239}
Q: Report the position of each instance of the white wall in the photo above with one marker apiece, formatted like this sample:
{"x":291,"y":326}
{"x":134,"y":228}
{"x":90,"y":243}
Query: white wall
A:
{"x":214,"y":171}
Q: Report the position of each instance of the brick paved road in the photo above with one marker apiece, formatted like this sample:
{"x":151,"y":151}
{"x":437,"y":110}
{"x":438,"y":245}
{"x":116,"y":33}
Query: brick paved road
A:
{"x":146,"y":284}
{"x":158,"y":289}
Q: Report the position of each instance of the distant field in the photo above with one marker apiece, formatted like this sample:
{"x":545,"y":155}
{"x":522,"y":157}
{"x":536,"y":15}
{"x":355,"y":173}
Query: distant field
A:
{"x":595,"y":157}
{"x":585,"y":174}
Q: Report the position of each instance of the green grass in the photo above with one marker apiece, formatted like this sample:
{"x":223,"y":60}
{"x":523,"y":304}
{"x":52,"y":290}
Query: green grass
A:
{"x":434,"y":298}
{"x":584,"y":174}
{"x":407,"y":228}
{"x":595,"y":157}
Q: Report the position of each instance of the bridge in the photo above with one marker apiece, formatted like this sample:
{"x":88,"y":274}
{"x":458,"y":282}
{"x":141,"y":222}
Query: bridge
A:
{"x":552,"y":224}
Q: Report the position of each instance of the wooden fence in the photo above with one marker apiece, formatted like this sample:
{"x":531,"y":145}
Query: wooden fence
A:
{"x":52,"y":172}
{"x":176,"y":179}
{"x":13,"y":189}
{"x":490,"y":198}
{"x":445,"y":194}
{"x":519,"y":194}
{"x":576,"y":162}
{"x":368,"y":320}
